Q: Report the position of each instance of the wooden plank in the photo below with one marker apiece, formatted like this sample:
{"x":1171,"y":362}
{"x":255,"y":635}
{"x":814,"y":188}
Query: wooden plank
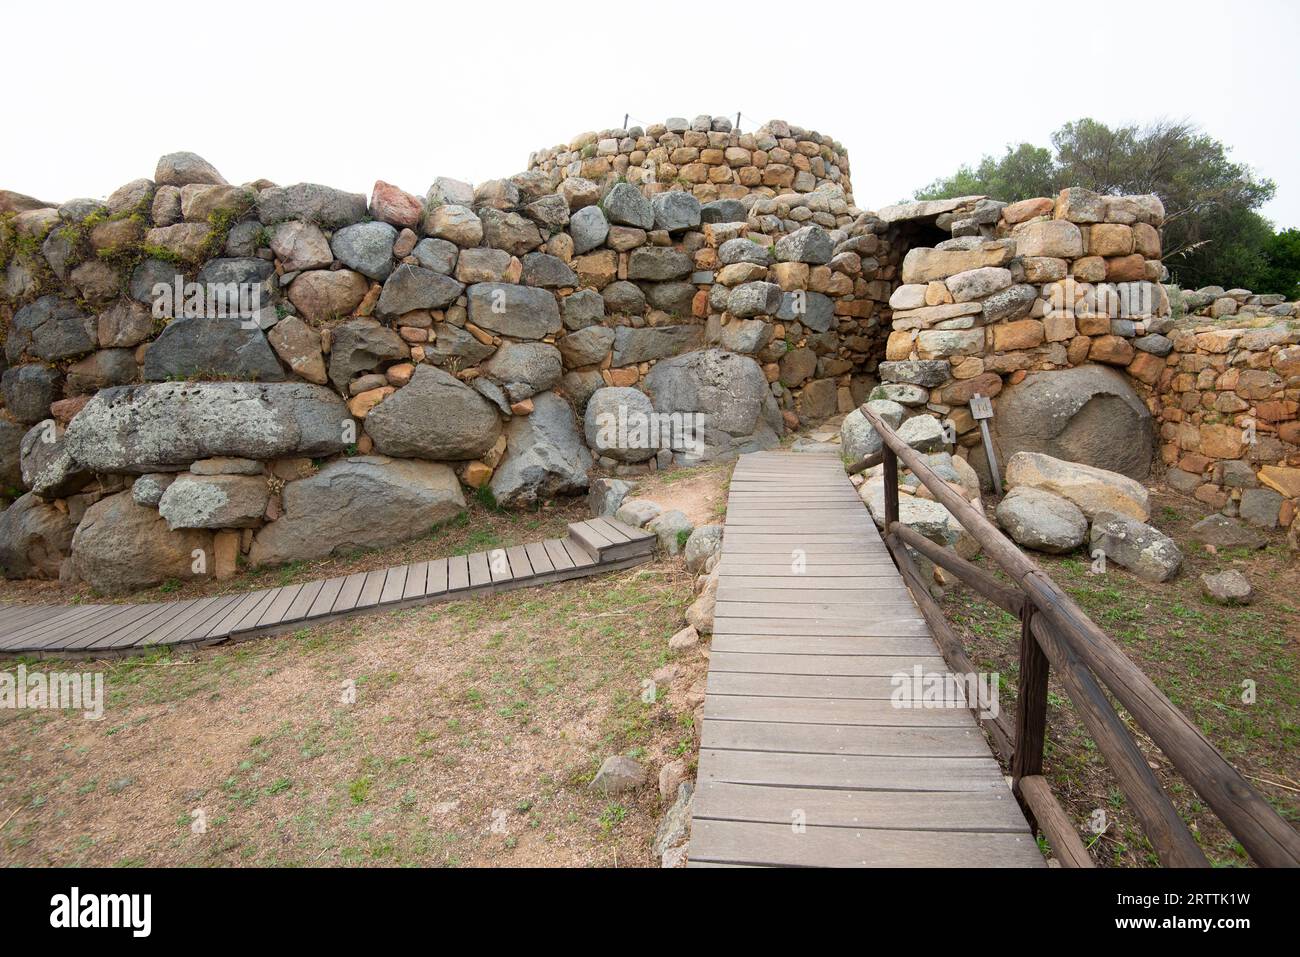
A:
{"x":457,"y":573}
{"x":896,"y":627}
{"x":248,"y":620}
{"x":520,"y":566}
{"x":349,"y":594}
{"x":221,"y":627}
{"x":819,"y":612}
{"x":372,"y":588}
{"x":436,"y":581}
{"x":988,"y":812}
{"x":823,"y":644}
{"x":779,"y":844}
{"x":539,"y":559}
{"x":558,"y":554}
{"x":873,"y":687}
{"x":614,"y":532}
{"x":480,"y":573}
{"x":787,"y":738}
{"x":303,"y":601}
{"x":855,"y":771}
{"x":578,"y":555}
{"x":832,"y":711}
{"x":416,"y":574}
{"x":29,"y":636}
{"x":277,"y":609}
{"x":498,"y":560}
{"x":323,"y":604}
{"x":721,"y":662}
{"x":89,"y":637}
{"x":128,"y":635}
{"x":394,"y":585}
{"x":194,"y":620}
{"x":817,"y":593}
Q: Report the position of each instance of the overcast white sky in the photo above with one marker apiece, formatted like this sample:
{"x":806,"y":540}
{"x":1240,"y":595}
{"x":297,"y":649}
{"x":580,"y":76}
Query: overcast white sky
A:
{"x":347,"y":93}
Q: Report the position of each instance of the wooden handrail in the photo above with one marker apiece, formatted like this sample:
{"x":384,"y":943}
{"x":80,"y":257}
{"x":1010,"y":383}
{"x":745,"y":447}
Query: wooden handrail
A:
{"x":1261,"y":831}
{"x":1054,"y":822}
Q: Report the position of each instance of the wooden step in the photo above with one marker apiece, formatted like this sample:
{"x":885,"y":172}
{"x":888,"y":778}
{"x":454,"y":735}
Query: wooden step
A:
{"x":607,"y":540}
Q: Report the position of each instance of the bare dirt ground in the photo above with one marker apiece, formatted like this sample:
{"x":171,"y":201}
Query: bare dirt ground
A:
{"x":475,"y":730}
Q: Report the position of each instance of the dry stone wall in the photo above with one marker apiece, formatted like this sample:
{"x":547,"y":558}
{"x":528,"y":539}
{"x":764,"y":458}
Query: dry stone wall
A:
{"x":211,"y":366}
{"x":1057,"y":308}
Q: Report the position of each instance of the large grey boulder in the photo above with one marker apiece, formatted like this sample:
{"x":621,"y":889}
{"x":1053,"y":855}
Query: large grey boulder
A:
{"x":121,"y":546}
{"x":1145,"y":551}
{"x":544,"y":457}
{"x":858,"y":438}
{"x":322,"y":205}
{"x":211,"y":347}
{"x":586,"y":347}
{"x":366,"y":247}
{"x":625,"y":206}
{"x":184,"y":169}
{"x":633,"y":345}
{"x":1089,"y":414}
{"x":51,"y":328}
{"x":525,"y":368}
{"x":164,"y":427}
{"x":617,"y":423}
{"x":414,"y":287}
{"x":521,"y":312}
{"x":214,"y":501}
{"x":34,"y":538}
{"x":1224,"y":532}
{"x":48,"y":470}
{"x":675,"y":210}
{"x":811,"y":244}
{"x":923,"y":433}
{"x":364,"y":502}
{"x":657,"y":263}
{"x":435,"y":416}
{"x":729,"y":390}
{"x":1042,"y":521}
{"x":705,"y":542}
{"x":28,"y":391}
{"x":588,"y":227}
{"x":360,"y":345}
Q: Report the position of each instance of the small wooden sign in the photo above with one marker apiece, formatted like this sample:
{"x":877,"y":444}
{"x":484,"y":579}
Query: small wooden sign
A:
{"x":981,"y":407}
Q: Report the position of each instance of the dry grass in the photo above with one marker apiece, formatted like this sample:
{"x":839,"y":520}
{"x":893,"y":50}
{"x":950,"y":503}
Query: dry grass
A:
{"x":476,"y":726}
{"x":1198,"y":653}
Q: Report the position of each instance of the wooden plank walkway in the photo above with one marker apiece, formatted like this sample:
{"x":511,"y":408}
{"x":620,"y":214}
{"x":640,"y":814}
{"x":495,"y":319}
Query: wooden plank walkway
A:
{"x":804,"y":760}
{"x":591,"y":548}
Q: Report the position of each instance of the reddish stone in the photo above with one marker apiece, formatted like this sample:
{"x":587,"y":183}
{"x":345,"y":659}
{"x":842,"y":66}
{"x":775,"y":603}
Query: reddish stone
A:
{"x":395,"y":206}
{"x":65,"y":409}
{"x":1126,"y":268}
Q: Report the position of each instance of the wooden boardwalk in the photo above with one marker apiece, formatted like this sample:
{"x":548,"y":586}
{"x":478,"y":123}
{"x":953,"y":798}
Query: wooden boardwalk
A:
{"x":804,"y":760}
{"x":591,"y":547}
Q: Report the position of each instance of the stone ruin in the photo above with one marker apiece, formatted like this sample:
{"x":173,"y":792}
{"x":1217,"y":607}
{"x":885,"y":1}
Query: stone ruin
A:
{"x":402,"y":350}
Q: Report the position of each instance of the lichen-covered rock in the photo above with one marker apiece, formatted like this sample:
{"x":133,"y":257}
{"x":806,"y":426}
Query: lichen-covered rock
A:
{"x":414,"y":287}
{"x":1145,"y":551}
{"x":121,"y":546}
{"x":606,"y":495}
{"x":521,"y":312}
{"x":11,"y":470}
{"x":464,"y":426}
{"x":360,"y":345}
{"x":28,"y":392}
{"x":705,"y":543}
{"x":214,"y":501}
{"x":34,"y":538}
{"x":588,"y":227}
{"x":1229,"y":587}
{"x":618,"y":774}
{"x":1095,"y":491}
{"x":1042,"y":521}
{"x":923,"y":433}
{"x":362,"y":502}
{"x":525,"y":368}
{"x":729,"y":390}
{"x":545,"y":456}
{"x":51,"y":328}
{"x":617,"y":424}
{"x":858,"y":438}
{"x":811,"y":244}
{"x":211,"y":347}
{"x":310,"y":202}
{"x":675,"y":211}
{"x":162,"y":427}
{"x":48,"y":470}
{"x":625,"y":206}
{"x":184,"y":168}
{"x":366,"y":247}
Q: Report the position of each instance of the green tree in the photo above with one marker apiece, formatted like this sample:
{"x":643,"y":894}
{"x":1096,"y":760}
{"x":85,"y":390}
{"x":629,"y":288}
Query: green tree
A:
{"x":1212,"y":233}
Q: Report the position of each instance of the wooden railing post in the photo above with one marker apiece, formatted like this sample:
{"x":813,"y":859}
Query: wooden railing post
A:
{"x":1031,"y":708}
{"x":891,"y":486}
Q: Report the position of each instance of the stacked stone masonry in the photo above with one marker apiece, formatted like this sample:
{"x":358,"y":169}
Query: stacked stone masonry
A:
{"x":401,"y":349}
